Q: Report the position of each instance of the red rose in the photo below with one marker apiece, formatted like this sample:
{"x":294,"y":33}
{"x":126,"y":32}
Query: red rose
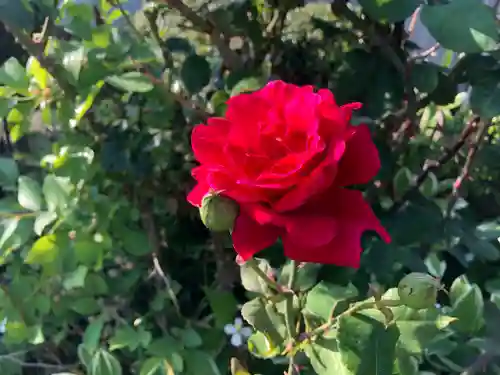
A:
{"x":286,"y":154}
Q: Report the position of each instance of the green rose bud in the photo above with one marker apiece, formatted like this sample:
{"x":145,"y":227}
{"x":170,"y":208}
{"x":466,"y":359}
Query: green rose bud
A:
{"x":418,"y":290}
{"x":218,"y":213}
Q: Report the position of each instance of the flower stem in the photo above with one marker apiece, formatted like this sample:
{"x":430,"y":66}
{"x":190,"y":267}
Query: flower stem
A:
{"x":289,"y":314}
{"x":254,"y":265}
{"x":289,"y":321}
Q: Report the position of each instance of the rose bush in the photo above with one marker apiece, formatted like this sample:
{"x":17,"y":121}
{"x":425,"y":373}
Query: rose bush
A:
{"x":287,"y":155}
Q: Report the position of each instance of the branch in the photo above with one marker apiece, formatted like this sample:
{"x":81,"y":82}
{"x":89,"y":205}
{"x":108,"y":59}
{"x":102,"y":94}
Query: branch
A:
{"x":37,"y":51}
{"x":155,"y":243}
{"x":430,"y":166}
{"x":483,"y":127}
{"x":207,"y":26}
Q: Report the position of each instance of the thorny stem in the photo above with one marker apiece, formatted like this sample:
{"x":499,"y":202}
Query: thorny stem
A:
{"x":289,"y":316}
{"x":352,"y":310}
{"x":431,"y":166}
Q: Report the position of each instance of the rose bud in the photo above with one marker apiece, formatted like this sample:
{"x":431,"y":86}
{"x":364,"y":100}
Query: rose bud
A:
{"x":418,"y":290}
{"x":218,"y":213}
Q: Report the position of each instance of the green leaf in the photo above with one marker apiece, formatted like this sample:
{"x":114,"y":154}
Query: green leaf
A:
{"x":323,"y":298}
{"x":305,"y":277}
{"x":467,"y":305}
{"x":85,"y":306}
{"x":29,"y":194}
{"x":429,"y":188}
{"x":462,"y":25}
{"x":190,"y":338}
{"x":75,"y":279}
{"x":249,"y":84}
{"x":389,"y":10}
{"x":9,"y":172}
{"x":218,"y":102}
{"x":325,"y":357}
{"x":44,"y":251}
{"x":56,"y":192}
{"x":251,"y":280}
{"x":223,"y":304}
{"x":43,"y":220}
{"x":261,"y":346}
{"x":89,"y":252}
{"x":485,"y":97}
{"x":407,"y":364}
{"x":104,"y":363}
{"x":262,"y":315}
{"x":402,"y":181}
{"x":13,"y":75}
{"x":199,"y":362}
{"x":435,"y":266}
{"x":424,"y":76}
{"x":169,"y":349}
{"x":85,"y":355}
{"x":154,"y":366}
{"x":135,"y":242}
{"x":195,"y":73}
{"x":128,"y":337}
{"x":367,"y":347}
{"x":92,"y":335}
{"x":131,"y":82}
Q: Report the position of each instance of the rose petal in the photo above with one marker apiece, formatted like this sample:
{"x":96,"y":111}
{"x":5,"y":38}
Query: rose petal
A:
{"x":319,"y":179}
{"x":309,"y":230}
{"x":196,"y":195}
{"x":249,"y":237}
{"x":360,"y":162}
{"x":208,"y":141}
{"x":353,"y":217}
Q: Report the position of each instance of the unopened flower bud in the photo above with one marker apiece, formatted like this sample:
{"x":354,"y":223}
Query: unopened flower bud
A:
{"x":218,"y":213}
{"x":418,"y":290}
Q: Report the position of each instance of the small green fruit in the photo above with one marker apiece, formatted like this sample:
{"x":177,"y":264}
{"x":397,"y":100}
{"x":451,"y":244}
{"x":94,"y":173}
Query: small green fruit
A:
{"x":418,"y":290}
{"x":218,"y":213}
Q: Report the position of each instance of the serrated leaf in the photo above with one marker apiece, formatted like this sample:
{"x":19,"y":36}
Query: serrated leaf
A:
{"x":366,"y":345}
{"x":323,"y":298}
{"x":325,"y":357}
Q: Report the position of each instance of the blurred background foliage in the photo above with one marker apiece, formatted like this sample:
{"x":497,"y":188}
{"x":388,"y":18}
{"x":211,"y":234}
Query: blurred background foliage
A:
{"x":107,"y":270}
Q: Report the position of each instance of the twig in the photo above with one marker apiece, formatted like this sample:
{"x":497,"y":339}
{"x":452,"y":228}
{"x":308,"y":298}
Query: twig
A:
{"x":424,"y":54}
{"x":154,"y":242}
{"x":464,"y":174}
{"x":205,"y":25}
{"x":12,"y":357}
{"x":413,"y":22}
{"x":431,"y":166}
{"x":37,"y":51}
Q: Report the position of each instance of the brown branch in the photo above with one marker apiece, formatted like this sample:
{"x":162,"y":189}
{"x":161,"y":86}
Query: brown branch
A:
{"x":424,"y":54}
{"x":464,"y":174}
{"x":430,"y":166}
{"x":207,"y":26}
{"x":37,"y":51}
